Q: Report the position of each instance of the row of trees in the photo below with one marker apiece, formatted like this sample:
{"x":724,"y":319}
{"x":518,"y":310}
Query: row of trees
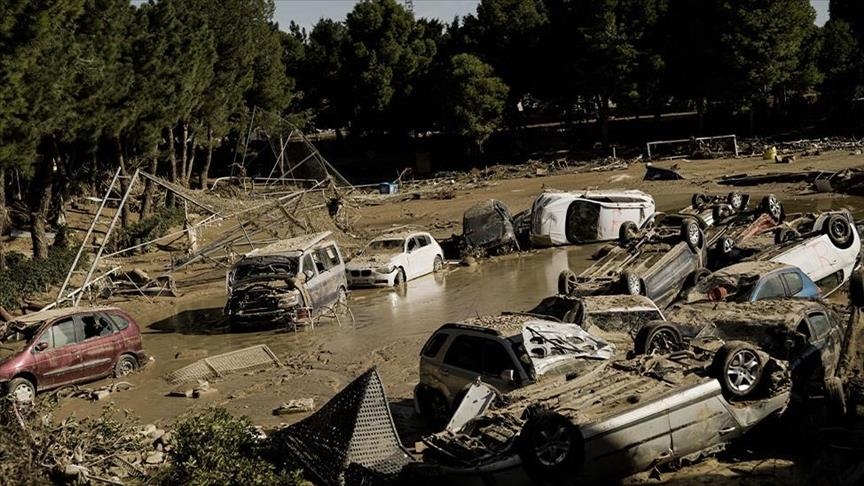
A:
{"x":86,"y":85}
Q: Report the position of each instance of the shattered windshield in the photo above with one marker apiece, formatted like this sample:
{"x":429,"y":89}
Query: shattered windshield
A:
{"x":283,"y":268}
{"x":384,"y":246}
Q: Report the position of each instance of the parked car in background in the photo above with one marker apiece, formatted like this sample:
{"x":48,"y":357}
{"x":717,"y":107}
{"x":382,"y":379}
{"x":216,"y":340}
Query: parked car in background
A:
{"x":60,"y":347}
{"x":752,"y":281}
{"x":506,"y":351}
{"x":488,"y":227}
{"x":563,"y":218}
{"x":395,"y":258}
{"x":287,"y":281}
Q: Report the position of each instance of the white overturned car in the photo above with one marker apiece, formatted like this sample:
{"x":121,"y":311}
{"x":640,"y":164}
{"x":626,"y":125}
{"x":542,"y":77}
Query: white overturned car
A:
{"x":564,"y":218}
{"x":395,"y":258}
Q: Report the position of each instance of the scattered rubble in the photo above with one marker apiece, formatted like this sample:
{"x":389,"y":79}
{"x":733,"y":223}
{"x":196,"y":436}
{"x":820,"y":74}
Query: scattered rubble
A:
{"x":302,"y":405}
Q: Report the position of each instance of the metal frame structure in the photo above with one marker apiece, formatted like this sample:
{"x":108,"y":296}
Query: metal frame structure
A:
{"x":697,"y":139}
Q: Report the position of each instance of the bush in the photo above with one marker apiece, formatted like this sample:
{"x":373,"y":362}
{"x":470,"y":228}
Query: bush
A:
{"x":149,"y":228}
{"x":23,"y":277}
{"x":216,"y":448}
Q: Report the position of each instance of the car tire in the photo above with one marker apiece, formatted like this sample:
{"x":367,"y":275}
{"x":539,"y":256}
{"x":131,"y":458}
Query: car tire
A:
{"x":22,"y":390}
{"x":399,"y":281}
{"x":836,"y":396}
{"x":437,"y":264}
{"x":567,"y":282}
{"x":839,"y":231}
{"x":692,"y":234}
{"x":736,"y":200}
{"x":658,"y":338}
{"x":738,"y":367}
{"x":627,"y":232}
{"x":699,"y":200}
{"x":785,"y":235}
{"x":721,"y":211}
{"x":631,"y":284}
{"x":551,"y":448}
{"x":125,"y":365}
{"x":771,"y":206}
{"x":697,"y":276}
{"x":431,"y":406}
{"x":856,"y":288}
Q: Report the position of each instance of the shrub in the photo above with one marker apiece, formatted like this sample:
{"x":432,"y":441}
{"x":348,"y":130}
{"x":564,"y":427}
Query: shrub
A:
{"x":149,"y":228}
{"x":23,"y":277}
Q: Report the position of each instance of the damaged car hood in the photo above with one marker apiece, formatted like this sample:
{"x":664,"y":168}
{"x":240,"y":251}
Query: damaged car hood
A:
{"x":550,"y":344}
{"x":373,"y":261}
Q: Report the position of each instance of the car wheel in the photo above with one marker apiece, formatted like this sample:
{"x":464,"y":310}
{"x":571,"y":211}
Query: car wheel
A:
{"x":566,"y":282}
{"x":836,"y":396}
{"x":692,"y":234}
{"x":726,"y":245}
{"x":22,"y":390}
{"x":856,"y":288}
{"x":739,"y":368}
{"x":438,"y":264}
{"x":722,"y":211}
{"x":736,"y":200}
{"x":785,"y":235}
{"x":771,"y":206}
{"x":697,"y":276}
{"x":400,"y":278}
{"x":839,"y":231}
{"x":699,"y":200}
{"x":631,"y":284}
{"x":431,"y":406}
{"x":126,"y":365}
{"x":551,"y":447}
{"x":658,"y":338}
{"x":627,"y":232}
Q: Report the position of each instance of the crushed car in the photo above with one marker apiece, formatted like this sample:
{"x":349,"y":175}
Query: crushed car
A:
{"x":752,"y":281}
{"x":287,"y":282}
{"x":507,"y":351}
{"x":564,"y":218}
{"x":395,"y":258}
{"x":59,"y":347}
{"x":488,"y":228}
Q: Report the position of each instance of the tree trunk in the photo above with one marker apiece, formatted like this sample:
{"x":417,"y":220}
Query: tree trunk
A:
{"x":184,"y":144}
{"x":40,"y":203}
{"x":205,"y":171}
{"x":124,"y":182}
{"x":604,"y":120}
{"x":147,"y":204}
{"x":187,"y":176}
{"x":3,"y":215}
{"x":700,"y":115}
{"x":172,"y":161}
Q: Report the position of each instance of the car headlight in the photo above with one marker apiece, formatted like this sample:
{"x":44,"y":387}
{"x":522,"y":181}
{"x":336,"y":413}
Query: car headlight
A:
{"x":385,"y":270}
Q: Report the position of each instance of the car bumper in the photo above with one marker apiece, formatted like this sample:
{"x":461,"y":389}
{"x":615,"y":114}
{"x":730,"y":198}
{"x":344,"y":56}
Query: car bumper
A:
{"x":375,"y":279}
{"x":277,"y":316}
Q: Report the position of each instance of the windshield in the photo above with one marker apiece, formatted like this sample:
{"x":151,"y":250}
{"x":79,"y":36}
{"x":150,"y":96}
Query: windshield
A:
{"x":13,"y":341}
{"x":284,"y":267}
{"x":384,"y":246}
{"x":623,"y":321}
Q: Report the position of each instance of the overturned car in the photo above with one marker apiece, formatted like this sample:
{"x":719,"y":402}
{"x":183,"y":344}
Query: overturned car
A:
{"x":287,"y":282}
{"x":488,"y":228}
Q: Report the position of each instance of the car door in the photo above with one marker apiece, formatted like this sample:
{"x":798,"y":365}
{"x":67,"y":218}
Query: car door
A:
{"x":59,"y":362}
{"x":99,"y":347}
{"x":470,"y":356}
{"x":413,"y":258}
{"x":313,"y":283}
{"x":426,"y":255}
{"x":826,"y":339}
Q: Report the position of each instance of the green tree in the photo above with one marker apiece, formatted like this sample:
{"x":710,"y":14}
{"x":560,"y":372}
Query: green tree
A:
{"x":474,"y":99}
{"x":319,"y":75}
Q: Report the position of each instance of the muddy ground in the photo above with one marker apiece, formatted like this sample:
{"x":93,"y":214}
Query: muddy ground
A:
{"x":390,"y":327}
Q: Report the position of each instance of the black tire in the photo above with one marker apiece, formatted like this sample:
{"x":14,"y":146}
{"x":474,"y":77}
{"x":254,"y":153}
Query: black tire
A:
{"x":736,"y":200}
{"x":125,"y":365}
{"x":698,"y":200}
{"x":856,"y":288}
{"x":627,"y":232}
{"x":566,"y":282}
{"x":839,"y":231}
{"x":725,"y":245}
{"x":738,"y":367}
{"x":692,"y":234}
{"x":836,"y":396}
{"x":22,"y":390}
{"x":721,"y":211}
{"x":785,"y":235}
{"x":437,"y":264}
{"x":658,"y":338}
{"x":697,"y":276}
{"x":630,"y":283}
{"x":399,"y":281}
{"x":431,"y":406}
{"x":551,"y":448}
{"x":771,"y":206}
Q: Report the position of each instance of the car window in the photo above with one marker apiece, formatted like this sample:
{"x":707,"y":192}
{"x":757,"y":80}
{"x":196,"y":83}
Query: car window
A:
{"x":495,"y":358}
{"x":771,"y":287}
{"x":119,"y":321}
{"x":308,"y":264}
{"x":63,"y":333}
{"x":94,"y":327}
{"x":794,"y":282}
{"x":423,"y":240}
{"x":323,"y":262}
{"x":332,"y":256}
{"x":434,"y":345}
{"x":820,"y":324}
{"x":412,"y":244}
{"x":465,"y":352}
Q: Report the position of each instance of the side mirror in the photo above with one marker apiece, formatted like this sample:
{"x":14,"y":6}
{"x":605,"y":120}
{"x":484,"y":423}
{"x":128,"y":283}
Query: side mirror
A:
{"x":508,"y":375}
{"x":41,"y":346}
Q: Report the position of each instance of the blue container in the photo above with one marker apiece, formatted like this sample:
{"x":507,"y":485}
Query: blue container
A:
{"x":388,"y":188}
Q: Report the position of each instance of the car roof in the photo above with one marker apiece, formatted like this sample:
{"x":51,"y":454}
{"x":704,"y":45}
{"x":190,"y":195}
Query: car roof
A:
{"x":504,"y":325}
{"x":756,"y":268}
{"x":28,"y":320}
{"x":400,"y":234}
{"x":293,"y":246}
{"x":766,"y":313}
{"x":617,"y":303}
{"x":603,"y":195}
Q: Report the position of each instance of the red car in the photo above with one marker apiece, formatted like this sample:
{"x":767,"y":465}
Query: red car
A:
{"x":48,"y":349}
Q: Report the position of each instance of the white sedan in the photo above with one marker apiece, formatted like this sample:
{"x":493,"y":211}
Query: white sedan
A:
{"x":395,"y":258}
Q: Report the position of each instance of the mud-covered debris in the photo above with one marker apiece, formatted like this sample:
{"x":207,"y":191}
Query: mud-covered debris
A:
{"x":656,"y":173}
{"x":251,"y":358}
{"x":301,"y":405}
